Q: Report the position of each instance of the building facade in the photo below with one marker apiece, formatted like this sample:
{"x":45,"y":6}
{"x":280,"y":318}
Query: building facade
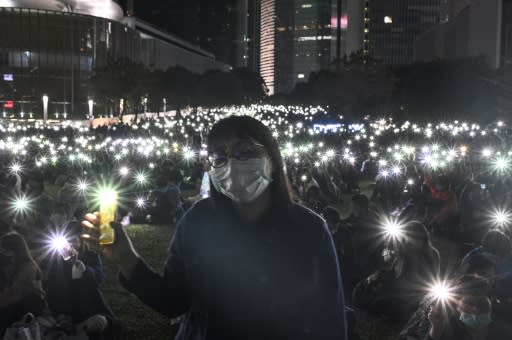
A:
{"x":298,"y":37}
{"x":219,"y":26}
{"x":52,"y":48}
{"x":478,"y":28}
{"x":392,"y":26}
{"x":506,"y":33}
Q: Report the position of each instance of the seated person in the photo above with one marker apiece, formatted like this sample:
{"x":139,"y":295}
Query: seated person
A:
{"x":73,"y":287}
{"x":465,"y":314}
{"x":175,"y":179}
{"x":315,"y":200}
{"x":394,"y":292}
{"x":167,"y":206}
{"x":443,"y":208}
{"x":344,"y":248}
{"x":493,"y":261}
{"x":20,"y":285}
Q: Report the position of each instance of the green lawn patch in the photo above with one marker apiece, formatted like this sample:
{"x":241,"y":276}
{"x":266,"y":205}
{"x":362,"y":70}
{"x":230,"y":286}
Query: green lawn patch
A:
{"x":140,"y":322}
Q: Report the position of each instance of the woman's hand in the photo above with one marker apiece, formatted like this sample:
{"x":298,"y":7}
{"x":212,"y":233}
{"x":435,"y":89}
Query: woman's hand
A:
{"x":121,"y":252}
{"x":436,"y":319}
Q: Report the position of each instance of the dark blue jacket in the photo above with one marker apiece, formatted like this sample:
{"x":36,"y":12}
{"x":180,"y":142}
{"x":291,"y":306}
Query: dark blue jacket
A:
{"x":274,"y":279}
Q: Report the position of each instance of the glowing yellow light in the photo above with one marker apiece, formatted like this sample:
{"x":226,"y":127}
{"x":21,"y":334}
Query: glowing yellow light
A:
{"x":108,"y":208}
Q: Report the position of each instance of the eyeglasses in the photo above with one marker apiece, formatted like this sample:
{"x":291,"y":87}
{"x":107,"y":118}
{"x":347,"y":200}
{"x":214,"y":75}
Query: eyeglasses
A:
{"x":242,"y":151}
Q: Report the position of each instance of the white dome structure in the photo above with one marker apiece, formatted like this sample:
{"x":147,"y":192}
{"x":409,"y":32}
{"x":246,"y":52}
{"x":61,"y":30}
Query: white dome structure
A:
{"x":107,"y":9}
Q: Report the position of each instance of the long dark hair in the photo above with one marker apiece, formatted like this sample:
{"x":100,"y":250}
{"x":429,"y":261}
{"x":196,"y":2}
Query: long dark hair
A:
{"x":21,"y":252}
{"x":418,"y":255}
{"x":245,"y":127}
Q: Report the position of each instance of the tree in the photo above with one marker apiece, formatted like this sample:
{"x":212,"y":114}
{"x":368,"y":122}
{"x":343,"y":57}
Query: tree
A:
{"x":179,"y":85}
{"x":120,"y":79}
{"x":253,"y":85}
{"x":217,"y":88}
{"x":456,"y":88}
{"x":353,"y":86}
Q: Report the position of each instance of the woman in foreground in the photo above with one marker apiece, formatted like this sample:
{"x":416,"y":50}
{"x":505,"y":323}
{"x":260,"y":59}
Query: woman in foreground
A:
{"x":246,"y":263}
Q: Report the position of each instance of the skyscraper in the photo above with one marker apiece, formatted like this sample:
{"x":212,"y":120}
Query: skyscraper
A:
{"x":268,"y":44}
{"x":298,"y":37}
{"x":477,"y":28}
{"x":392,"y":26}
{"x":506,"y":33}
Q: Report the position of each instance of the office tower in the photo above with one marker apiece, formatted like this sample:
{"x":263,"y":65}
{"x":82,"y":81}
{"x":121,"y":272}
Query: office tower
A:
{"x":392,"y":26}
{"x":298,"y":37}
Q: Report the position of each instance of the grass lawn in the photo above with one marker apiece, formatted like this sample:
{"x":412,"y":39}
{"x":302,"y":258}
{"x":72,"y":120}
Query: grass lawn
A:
{"x":140,"y":322}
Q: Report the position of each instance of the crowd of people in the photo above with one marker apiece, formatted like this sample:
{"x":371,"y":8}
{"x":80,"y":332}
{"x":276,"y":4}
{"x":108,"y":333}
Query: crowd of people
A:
{"x":388,"y":193}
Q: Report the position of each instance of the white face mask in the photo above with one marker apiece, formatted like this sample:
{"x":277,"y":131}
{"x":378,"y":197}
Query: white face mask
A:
{"x":243,"y":181}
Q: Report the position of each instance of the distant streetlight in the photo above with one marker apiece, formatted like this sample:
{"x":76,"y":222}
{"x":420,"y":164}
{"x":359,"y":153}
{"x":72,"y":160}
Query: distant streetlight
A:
{"x":45,"y":109}
{"x":91,"y":107}
{"x":388,"y":20}
{"x":121,"y":106}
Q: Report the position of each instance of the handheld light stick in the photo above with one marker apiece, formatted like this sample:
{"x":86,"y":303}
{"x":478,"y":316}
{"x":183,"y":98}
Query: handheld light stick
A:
{"x":108,"y":208}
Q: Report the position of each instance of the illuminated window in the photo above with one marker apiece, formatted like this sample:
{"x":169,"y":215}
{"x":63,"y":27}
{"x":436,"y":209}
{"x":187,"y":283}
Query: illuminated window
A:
{"x":388,"y":20}
{"x":301,"y":76}
{"x":307,"y":6}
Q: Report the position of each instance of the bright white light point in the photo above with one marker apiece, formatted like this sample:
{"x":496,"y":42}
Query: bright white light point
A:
{"x":441,"y":292}
{"x":392,"y":229}
{"x":304,"y":178}
{"x":501,"y":164}
{"x":396,"y":170}
{"x":59,"y":243}
{"x":21,"y":204}
{"x":501,"y":217}
{"x":486,"y":153}
{"x":82,"y":185}
{"x":140,"y":202}
{"x":410,"y":181}
{"x":124,"y":171}
{"x":15,"y":168}
{"x":188,"y":154}
{"x":141,"y":178}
